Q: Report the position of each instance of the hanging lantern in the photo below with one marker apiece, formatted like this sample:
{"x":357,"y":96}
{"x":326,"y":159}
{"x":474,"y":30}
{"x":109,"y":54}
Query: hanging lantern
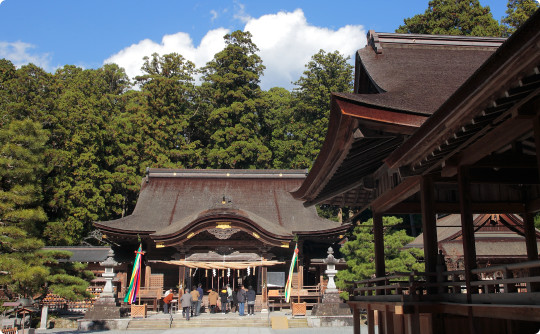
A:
{"x":237,"y":272}
{"x":206,"y":273}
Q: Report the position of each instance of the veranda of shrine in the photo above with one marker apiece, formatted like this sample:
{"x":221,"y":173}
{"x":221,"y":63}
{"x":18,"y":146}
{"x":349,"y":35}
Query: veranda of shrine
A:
{"x":440,"y":125}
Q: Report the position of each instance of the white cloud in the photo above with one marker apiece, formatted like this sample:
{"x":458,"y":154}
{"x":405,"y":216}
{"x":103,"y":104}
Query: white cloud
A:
{"x":20,"y":53}
{"x":131,"y":58}
{"x":286,"y":42}
{"x":214,"y":15}
{"x":240,"y":12}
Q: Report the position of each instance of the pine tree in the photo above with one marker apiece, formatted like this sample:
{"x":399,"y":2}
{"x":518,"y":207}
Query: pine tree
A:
{"x":359,"y":252}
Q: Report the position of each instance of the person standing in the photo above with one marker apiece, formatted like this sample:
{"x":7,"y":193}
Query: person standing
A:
{"x":241,"y":296}
{"x":199,"y":302}
{"x":251,"y":295}
{"x":194,"y":300}
{"x":224,"y":296}
{"x":212,"y":300}
{"x":167,"y":300}
{"x":185,"y":301}
{"x":230,"y":298}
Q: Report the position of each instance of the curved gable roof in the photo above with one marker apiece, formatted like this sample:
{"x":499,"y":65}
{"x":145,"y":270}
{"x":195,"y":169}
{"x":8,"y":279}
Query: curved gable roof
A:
{"x":171,"y":201}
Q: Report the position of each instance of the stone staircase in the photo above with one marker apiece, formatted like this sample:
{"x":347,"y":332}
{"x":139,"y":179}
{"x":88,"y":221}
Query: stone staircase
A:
{"x":214,"y":321}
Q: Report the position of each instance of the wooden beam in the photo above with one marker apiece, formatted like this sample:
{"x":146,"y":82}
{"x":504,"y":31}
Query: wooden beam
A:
{"x":401,"y":192}
{"x":440,"y":207}
{"x":500,"y":136}
{"x":467,"y":228}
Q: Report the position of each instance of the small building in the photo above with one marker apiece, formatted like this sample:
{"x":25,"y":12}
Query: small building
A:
{"x":499,"y":240}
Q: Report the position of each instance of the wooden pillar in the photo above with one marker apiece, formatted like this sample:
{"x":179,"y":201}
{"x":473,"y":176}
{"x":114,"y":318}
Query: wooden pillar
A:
{"x":181,"y":276}
{"x":532,"y":248}
{"x":265,"y":289}
{"x":530,"y":237}
{"x":370,"y":319}
{"x":429,"y":227}
{"x":388,"y":320}
{"x":378,"y":240}
{"x":356,"y":320}
{"x":147,"y":273}
{"x":467,"y":228}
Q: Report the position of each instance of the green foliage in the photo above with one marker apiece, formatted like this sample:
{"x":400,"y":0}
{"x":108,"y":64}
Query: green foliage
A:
{"x":450,"y":17}
{"x":233,"y":105}
{"x":359,"y":252}
{"x":517,"y":13}
{"x":325,"y":73}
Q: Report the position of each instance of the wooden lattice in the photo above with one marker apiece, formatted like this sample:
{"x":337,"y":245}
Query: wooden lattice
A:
{"x":299,"y":308}
{"x":156,"y":281}
{"x":138,"y":311}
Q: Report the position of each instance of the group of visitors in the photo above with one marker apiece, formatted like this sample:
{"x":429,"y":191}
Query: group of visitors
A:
{"x":231,"y":301}
{"x":236,"y":300}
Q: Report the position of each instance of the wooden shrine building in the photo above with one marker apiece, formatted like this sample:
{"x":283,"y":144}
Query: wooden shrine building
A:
{"x":440,"y":125}
{"x":218,"y":227}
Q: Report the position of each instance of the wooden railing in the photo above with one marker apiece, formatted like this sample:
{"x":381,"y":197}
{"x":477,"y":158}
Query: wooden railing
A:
{"x":451,"y":285}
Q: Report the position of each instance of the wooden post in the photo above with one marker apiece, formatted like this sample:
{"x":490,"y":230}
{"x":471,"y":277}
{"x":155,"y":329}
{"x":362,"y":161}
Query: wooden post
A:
{"x":370,"y":320}
{"x":532,"y":248}
{"x":356,"y":320}
{"x":429,"y":228}
{"x":378,"y":240}
{"x":467,"y":228}
{"x":147,"y":273}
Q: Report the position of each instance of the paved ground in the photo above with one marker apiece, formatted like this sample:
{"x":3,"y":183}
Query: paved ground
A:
{"x":223,"y":330}
{"x":220,"y":330}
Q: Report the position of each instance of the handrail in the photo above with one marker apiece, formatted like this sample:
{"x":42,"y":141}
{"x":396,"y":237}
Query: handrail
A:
{"x":450,"y":282}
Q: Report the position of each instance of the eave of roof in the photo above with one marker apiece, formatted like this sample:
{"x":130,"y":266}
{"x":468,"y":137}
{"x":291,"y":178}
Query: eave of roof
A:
{"x":347,"y":117}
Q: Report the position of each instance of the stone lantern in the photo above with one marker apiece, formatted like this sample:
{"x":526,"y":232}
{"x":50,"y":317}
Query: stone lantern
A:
{"x":332,"y":311}
{"x":330,"y":271}
{"x":105,"y":305}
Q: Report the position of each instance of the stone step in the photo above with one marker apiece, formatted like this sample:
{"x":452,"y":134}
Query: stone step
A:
{"x":196,"y":322}
{"x":298,"y":323}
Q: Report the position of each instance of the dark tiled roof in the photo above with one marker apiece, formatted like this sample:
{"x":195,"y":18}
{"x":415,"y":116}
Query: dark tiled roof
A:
{"x":419,"y":72}
{"x":85,"y":254}
{"x":170,"y":200}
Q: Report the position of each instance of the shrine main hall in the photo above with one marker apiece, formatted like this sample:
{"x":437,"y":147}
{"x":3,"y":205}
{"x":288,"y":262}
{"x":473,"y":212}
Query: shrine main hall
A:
{"x":218,"y":227}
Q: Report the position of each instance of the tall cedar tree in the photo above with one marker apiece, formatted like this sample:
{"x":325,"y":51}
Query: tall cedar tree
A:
{"x":325,"y":73}
{"x":84,"y":185}
{"x":359,"y":252}
{"x":234,"y":106}
{"x":517,"y":13}
{"x":168,"y":89}
{"x":453,"y":17}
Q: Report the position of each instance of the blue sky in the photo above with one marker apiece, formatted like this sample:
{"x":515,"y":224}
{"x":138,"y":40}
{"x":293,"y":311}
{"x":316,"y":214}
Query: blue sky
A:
{"x":54,"y":33}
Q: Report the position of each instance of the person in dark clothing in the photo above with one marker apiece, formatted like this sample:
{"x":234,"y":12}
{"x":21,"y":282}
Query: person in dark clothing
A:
{"x":251,"y":295}
{"x":234,"y":302}
{"x":199,"y":302}
{"x":223,"y":296}
{"x":241,"y":298}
